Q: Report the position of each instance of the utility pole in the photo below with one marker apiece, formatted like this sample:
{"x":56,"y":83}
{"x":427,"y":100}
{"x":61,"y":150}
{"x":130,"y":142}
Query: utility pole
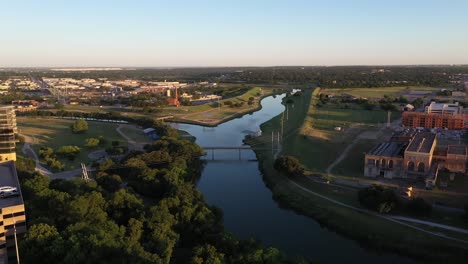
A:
{"x":287,"y":113}
{"x":16,"y":240}
{"x":388,"y":118}
{"x":282,"y":125}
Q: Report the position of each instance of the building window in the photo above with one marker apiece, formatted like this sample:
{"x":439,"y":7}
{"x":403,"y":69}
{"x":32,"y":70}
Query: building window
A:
{"x":377,"y":163}
{"x":410,"y":166}
{"x":390,"y":164}
{"x":421,"y":167}
{"x":384,"y":163}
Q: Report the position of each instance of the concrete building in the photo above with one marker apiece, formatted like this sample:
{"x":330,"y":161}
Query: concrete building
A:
{"x":435,"y":120}
{"x":12,"y":214}
{"x":407,"y":154}
{"x":418,"y":155}
{"x":7,"y":133}
{"x":435,"y":108}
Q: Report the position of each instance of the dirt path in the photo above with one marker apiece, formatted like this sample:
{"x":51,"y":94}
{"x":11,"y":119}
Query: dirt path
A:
{"x":363,"y":135}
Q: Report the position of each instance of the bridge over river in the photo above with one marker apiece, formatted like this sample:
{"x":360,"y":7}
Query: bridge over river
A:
{"x":239,"y":149}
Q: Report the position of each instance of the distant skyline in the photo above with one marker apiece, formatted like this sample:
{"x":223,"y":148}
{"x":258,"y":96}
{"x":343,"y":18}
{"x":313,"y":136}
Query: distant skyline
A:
{"x":206,"y":33}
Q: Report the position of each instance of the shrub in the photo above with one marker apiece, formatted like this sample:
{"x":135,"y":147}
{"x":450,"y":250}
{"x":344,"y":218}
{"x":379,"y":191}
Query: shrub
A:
{"x":79,"y":126}
{"x":378,"y":198}
{"x":92,"y":142}
{"x":289,"y":165}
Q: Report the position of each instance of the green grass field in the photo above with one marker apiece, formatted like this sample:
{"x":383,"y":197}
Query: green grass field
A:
{"x":376,"y":92}
{"x":55,"y":133}
{"x":353,"y":163}
{"x":135,"y":133}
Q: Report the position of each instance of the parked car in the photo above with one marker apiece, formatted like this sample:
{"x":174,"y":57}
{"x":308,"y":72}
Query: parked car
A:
{"x":9,"y":194}
{"x":7,"y":189}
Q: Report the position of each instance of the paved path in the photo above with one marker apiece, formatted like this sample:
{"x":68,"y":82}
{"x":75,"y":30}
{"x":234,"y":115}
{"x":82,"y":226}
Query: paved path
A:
{"x":29,"y":151}
{"x":390,"y":218}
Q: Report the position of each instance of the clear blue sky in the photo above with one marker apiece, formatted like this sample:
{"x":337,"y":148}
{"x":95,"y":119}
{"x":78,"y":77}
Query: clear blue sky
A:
{"x":232,"y":33}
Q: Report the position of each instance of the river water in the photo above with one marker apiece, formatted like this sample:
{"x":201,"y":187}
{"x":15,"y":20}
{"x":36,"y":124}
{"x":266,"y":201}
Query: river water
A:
{"x":249,"y":209}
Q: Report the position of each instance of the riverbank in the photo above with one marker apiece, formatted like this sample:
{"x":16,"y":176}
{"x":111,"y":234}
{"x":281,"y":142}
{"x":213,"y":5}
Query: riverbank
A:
{"x":229,"y":117}
{"x":379,"y":234}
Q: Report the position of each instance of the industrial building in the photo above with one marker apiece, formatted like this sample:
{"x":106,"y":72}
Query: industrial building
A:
{"x":413,"y":155}
{"x":407,"y":154}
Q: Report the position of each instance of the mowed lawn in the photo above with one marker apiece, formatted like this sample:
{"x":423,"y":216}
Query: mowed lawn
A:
{"x":55,"y":133}
{"x":377,"y":92}
{"x":329,"y":118}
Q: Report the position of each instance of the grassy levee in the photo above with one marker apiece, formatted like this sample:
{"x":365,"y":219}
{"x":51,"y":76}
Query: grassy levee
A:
{"x":377,"y":233}
{"x":377,"y":92}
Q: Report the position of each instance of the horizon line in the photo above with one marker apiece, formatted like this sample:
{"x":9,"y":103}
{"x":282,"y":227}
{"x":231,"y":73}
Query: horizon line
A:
{"x":229,"y":66}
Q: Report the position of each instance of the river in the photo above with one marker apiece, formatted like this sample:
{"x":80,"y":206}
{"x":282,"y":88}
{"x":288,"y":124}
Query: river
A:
{"x":249,"y":209}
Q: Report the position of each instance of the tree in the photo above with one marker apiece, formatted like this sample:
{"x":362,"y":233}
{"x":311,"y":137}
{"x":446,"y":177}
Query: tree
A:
{"x":69,"y":151}
{"x":79,"y":126}
{"x":378,"y":198}
{"x":207,"y":254}
{"x":43,"y":243}
{"x":417,"y":103}
{"x":92,"y":142}
{"x":289,"y":165}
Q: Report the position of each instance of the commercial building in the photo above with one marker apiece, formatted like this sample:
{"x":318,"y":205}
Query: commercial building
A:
{"x":12,"y":213}
{"x":7,"y":133}
{"x":449,"y":116}
{"x":432,"y":120}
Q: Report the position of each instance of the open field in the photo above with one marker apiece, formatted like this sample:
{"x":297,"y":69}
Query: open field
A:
{"x":55,"y":133}
{"x":135,"y":133}
{"x":375,"y":93}
{"x":353,"y":163}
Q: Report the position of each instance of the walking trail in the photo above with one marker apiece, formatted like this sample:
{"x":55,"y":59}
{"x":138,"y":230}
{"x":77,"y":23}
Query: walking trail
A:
{"x":395,"y":219}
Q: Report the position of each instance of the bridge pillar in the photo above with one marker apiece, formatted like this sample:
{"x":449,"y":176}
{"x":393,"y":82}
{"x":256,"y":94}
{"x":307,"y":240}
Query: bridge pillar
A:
{"x":239,"y":154}
{"x":212,"y":154}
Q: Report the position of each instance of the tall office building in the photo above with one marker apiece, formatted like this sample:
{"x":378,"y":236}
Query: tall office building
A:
{"x":12,"y":214}
{"x":7,"y":133}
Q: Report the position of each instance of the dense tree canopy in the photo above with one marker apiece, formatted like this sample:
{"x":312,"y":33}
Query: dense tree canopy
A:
{"x":142,"y":209}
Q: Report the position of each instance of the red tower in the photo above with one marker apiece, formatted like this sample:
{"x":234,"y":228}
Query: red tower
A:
{"x":174,"y":101}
